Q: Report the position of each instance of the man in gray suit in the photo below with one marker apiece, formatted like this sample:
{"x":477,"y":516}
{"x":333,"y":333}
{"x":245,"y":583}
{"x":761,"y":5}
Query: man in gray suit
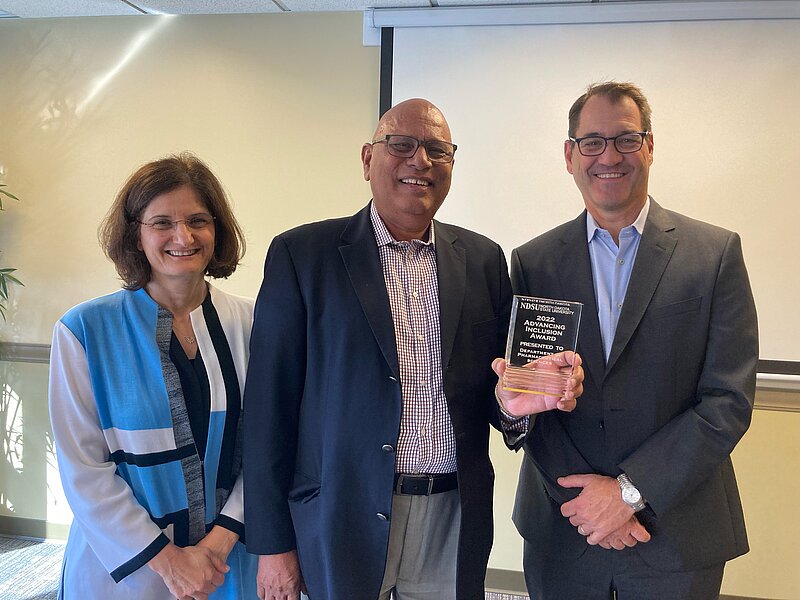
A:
{"x":634,"y":493}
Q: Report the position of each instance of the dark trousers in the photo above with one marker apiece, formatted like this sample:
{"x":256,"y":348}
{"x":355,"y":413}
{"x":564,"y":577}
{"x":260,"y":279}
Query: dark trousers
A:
{"x":601,"y":574}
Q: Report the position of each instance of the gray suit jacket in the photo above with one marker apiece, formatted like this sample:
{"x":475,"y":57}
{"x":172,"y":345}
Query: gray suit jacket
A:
{"x":671,"y":403}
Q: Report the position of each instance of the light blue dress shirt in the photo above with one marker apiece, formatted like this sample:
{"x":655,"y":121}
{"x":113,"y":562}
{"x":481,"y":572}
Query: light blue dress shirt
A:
{"x":611,"y":270}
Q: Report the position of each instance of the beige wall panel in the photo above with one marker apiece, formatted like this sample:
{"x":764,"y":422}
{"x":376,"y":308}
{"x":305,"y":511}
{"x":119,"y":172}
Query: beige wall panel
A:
{"x":30,"y":487}
{"x":278,"y":105}
{"x":507,"y":549}
{"x":767,"y":462}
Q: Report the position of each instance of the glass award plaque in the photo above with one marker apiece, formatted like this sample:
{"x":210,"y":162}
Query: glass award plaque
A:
{"x":540,"y":328}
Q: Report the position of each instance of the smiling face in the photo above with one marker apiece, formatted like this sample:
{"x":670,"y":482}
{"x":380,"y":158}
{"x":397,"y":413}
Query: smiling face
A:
{"x":613,"y":185}
{"x":407,"y":192}
{"x":179,"y":253}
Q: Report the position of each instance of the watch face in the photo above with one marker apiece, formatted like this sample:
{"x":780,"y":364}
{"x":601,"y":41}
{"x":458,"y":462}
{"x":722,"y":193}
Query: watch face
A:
{"x":631,"y":495}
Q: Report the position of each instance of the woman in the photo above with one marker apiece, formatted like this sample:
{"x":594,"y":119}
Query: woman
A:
{"x":145,"y":400}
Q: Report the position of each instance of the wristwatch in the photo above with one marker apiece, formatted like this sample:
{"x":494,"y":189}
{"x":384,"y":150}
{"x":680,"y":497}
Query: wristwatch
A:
{"x":630,"y":494}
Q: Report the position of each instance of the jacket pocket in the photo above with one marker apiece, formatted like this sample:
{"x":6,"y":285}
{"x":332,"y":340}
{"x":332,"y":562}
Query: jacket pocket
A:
{"x":676,"y":308}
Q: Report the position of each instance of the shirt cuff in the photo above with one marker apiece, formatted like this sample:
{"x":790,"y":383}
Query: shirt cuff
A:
{"x":511,"y":424}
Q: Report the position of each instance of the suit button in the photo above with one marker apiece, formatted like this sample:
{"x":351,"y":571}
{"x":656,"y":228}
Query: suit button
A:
{"x":393,"y":378}
{"x":383,"y":517}
{"x":387,"y":448}
{"x":602,"y":424}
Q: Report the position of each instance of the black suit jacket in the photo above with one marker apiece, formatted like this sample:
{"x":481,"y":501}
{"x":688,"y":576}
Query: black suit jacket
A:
{"x":322,"y":401}
{"x":670,"y":404}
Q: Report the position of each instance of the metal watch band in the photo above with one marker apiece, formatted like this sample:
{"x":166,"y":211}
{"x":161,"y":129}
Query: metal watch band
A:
{"x":625,"y":483}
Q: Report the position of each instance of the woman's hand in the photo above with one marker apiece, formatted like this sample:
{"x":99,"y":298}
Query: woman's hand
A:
{"x":220,"y":541}
{"x":190,"y":573}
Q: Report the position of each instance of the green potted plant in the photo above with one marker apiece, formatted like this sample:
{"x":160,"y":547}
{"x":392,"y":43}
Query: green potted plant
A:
{"x":6,"y":277}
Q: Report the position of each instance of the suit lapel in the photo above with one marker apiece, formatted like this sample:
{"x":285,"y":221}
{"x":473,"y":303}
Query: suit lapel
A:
{"x":575,"y":275}
{"x":359,"y":252}
{"x":451,"y":268}
{"x":655,"y":251}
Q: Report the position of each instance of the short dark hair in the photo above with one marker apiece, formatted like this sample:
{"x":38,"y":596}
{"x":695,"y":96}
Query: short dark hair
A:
{"x":614,"y":91}
{"x":119,"y":230}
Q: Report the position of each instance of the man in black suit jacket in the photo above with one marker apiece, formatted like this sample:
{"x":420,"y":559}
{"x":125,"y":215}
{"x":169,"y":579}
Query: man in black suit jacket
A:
{"x":369,"y":392}
{"x":670,"y":357}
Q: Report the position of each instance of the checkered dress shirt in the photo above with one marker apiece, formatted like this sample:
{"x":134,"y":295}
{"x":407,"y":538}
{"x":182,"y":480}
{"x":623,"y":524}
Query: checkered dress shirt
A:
{"x":426,"y":443}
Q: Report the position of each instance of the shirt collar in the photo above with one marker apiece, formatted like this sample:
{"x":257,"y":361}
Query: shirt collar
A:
{"x":385,"y":238}
{"x":638,"y":224}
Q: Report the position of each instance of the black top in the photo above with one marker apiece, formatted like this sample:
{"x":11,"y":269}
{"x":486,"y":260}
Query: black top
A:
{"x":196,"y":392}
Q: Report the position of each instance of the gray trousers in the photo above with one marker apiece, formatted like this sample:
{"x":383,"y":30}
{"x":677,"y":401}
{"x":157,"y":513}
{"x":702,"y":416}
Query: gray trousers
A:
{"x":423,"y":547}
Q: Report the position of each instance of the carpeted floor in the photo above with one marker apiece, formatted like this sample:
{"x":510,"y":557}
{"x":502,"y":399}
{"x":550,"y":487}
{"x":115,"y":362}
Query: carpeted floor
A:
{"x":29,"y":568}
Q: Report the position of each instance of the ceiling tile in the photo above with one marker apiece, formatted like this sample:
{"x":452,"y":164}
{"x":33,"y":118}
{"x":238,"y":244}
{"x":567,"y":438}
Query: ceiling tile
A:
{"x":508,"y":2}
{"x":79,"y":8}
{"x":206,"y":7}
{"x":331,"y":5}
{"x":67,"y":8}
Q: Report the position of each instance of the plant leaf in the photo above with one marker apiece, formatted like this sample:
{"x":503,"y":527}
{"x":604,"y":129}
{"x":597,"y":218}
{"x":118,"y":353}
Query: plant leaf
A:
{"x":5,"y":279}
{"x":7,"y":193}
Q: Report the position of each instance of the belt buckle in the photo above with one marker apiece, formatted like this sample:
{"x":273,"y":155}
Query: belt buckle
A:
{"x":398,"y":488}
{"x":430,"y":485}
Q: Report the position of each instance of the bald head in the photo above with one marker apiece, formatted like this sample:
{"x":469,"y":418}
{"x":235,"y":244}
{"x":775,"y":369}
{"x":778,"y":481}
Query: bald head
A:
{"x":415,"y":109}
{"x":408,"y":190}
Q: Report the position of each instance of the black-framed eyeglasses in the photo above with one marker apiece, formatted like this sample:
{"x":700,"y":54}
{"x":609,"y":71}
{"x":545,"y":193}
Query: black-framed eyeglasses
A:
{"x":625,"y":143}
{"x":195,"y":222}
{"x":405,"y":146}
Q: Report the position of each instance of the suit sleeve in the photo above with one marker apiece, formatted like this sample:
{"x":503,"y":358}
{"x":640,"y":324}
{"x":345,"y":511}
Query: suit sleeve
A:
{"x":548,"y":445}
{"x":514,"y":429}
{"x":272,"y":397}
{"x":683,"y":453}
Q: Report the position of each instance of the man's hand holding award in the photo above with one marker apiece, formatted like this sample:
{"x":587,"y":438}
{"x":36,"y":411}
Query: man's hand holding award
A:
{"x":541,"y":370}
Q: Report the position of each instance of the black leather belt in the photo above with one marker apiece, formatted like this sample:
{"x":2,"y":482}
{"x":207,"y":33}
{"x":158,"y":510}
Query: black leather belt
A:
{"x":424,"y":485}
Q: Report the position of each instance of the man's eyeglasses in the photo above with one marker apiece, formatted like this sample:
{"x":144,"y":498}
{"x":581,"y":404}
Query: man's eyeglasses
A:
{"x":405,"y":146}
{"x":195,"y":222}
{"x":625,"y":143}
